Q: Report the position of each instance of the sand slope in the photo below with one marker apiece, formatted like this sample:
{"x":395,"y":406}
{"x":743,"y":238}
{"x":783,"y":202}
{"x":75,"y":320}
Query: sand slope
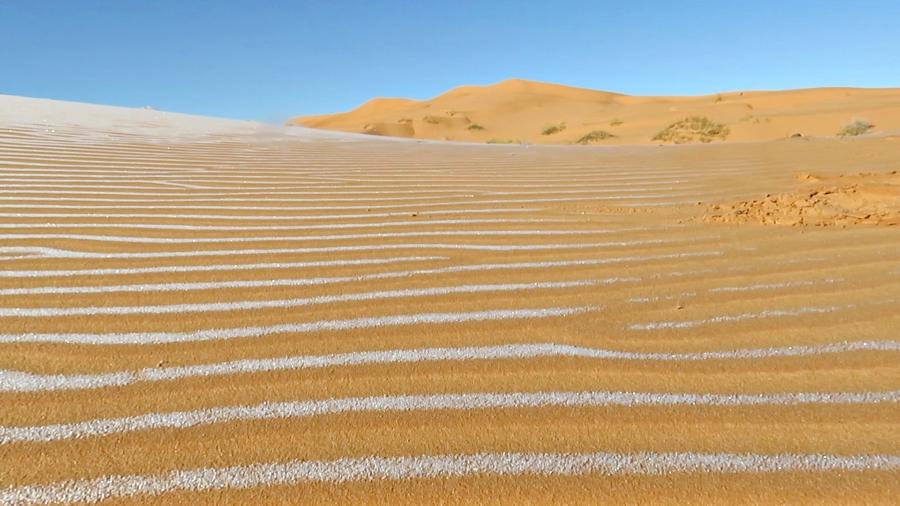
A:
{"x":196,"y":311}
{"x":520,"y":111}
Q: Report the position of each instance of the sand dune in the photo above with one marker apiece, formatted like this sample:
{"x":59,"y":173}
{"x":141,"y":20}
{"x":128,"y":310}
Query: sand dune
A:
{"x":525,"y":111}
{"x":203,"y":311}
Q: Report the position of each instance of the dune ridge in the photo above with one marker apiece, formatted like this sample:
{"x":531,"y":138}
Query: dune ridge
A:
{"x":520,"y":111}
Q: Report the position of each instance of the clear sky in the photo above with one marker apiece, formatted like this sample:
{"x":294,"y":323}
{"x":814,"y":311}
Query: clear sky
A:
{"x":269,"y":60}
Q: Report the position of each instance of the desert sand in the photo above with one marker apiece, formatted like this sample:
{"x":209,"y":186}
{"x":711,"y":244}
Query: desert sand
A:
{"x":203,"y":311}
{"x":872,"y":199}
{"x":517,"y":111}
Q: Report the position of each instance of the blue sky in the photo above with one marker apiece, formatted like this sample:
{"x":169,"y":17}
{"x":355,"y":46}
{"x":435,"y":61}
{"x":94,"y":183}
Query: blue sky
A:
{"x":269,"y":60}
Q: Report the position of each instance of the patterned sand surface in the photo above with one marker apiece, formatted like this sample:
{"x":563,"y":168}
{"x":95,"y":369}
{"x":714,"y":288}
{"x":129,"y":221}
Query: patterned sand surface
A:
{"x":206,"y":311}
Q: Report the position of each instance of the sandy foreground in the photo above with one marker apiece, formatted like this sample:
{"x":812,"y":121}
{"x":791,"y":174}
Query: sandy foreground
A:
{"x":520,"y":111}
{"x":205,"y":311}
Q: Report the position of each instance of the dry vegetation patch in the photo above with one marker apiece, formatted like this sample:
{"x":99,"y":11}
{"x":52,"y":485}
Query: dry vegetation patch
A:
{"x":857,"y":127}
{"x":553,"y":129}
{"x":691,"y":129}
{"x":594,"y":137}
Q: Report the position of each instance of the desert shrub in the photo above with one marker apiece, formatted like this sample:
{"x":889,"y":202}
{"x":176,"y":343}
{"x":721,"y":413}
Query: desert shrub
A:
{"x":594,"y":136}
{"x":502,"y":141}
{"x":692,"y":128}
{"x":405,"y":121}
{"x":554,"y":129}
{"x":434,"y":120}
{"x":858,"y":127}
{"x":474,"y":126}
{"x":616,"y":122}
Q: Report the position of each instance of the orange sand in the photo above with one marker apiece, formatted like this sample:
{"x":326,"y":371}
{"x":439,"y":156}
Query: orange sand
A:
{"x":823,"y":201}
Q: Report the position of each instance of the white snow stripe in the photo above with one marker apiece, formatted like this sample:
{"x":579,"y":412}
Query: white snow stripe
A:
{"x":31,"y":165}
{"x":328,"y":196}
{"x":214,"y":267}
{"x":624,"y":186}
{"x":406,"y":403}
{"x":36,"y":251}
{"x":230,"y":196}
{"x":17,"y":381}
{"x":53,"y":193}
{"x":242,"y":181}
{"x":258,"y":217}
{"x":375,"y":468}
{"x":323,"y":226}
{"x":266,"y":198}
{"x":153,"y":186}
{"x":773,"y":286}
{"x":217,"y":285}
{"x":337,"y":208}
{"x":315,"y":326}
{"x":235,"y":267}
{"x":47,"y":312}
{"x":176,"y":173}
{"x":297,"y":238}
{"x":768,"y":313}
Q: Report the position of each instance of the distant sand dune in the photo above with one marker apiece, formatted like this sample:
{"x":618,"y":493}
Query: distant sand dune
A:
{"x":520,"y":111}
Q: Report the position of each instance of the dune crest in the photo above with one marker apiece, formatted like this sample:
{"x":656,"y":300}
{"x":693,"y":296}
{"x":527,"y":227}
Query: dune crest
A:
{"x":518,"y":110}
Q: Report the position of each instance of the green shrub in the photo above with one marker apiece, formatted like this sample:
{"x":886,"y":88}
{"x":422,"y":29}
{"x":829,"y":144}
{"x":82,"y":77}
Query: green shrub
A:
{"x":594,"y":136}
{"x":858,"y":127}
{"x":554,"y":129}
{"x":691,"y":129}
